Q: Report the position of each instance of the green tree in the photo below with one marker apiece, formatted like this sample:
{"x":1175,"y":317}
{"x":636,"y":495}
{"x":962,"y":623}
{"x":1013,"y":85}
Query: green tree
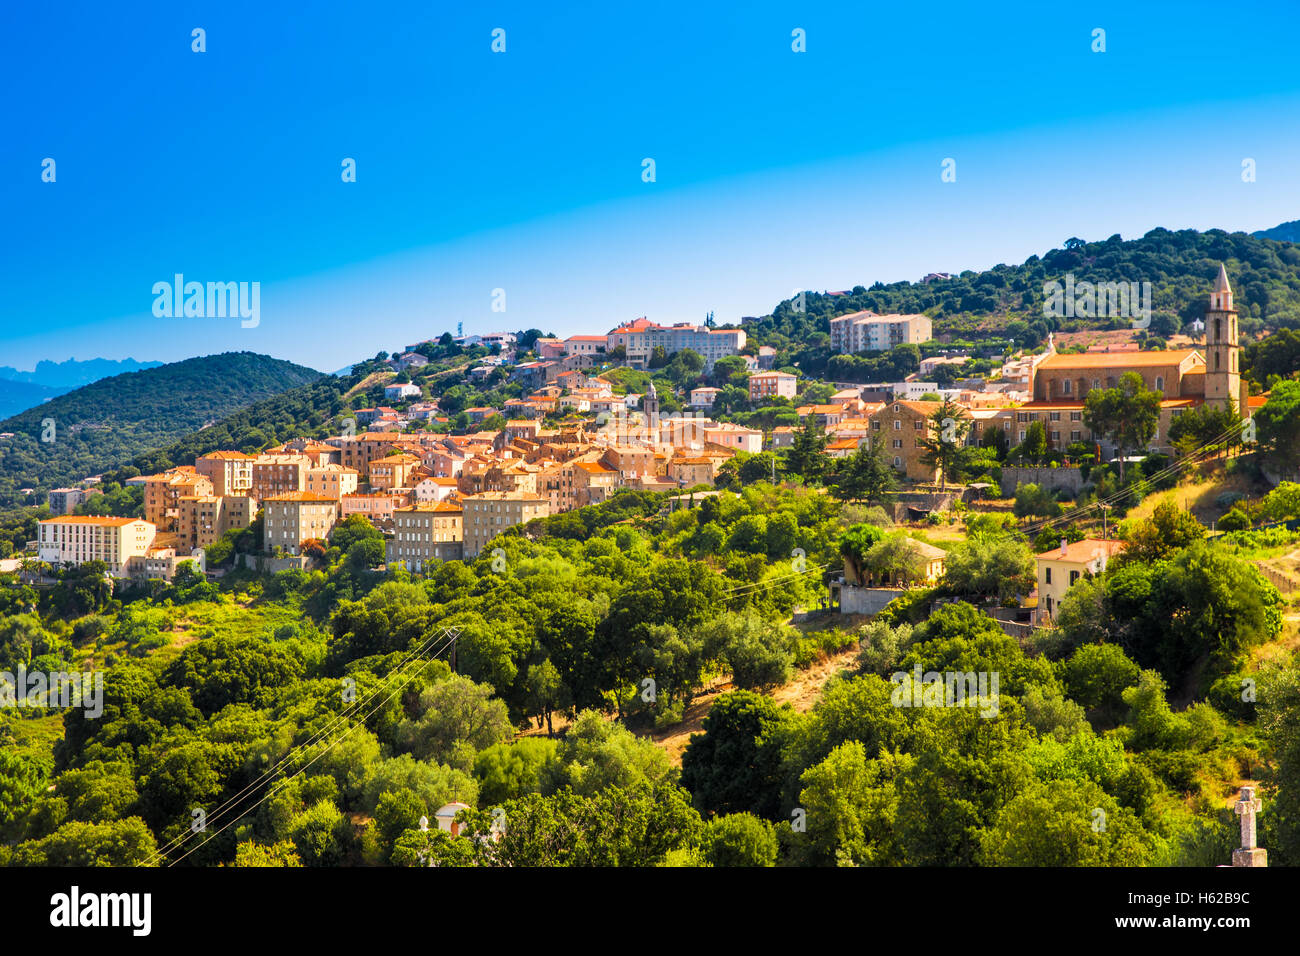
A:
{"x":807,"y":454}
{"x":1066,"y":823}
{"x":986,"y":567}
{"x":735,"y":765}
{"x":739,"y":839}
{"x":945,"y":437}
{"x":1278,"y":427}
{"x":1127,"y":414}
{"x":1169,"y":529}
{"x":866,"y":475}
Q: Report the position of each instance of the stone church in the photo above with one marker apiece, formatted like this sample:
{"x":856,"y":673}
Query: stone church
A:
{"x":1186,"y":378}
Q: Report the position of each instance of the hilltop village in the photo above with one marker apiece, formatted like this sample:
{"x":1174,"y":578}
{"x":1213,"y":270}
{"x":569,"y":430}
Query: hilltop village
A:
{"x":444,"y":495}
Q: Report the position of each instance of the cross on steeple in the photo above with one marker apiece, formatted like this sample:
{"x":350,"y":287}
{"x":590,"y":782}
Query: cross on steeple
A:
{"x":1246,"y":807}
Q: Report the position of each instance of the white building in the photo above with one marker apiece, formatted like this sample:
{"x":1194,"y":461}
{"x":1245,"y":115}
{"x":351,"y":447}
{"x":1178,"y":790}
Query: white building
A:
{"x":399,"y":392}
{"x":868,"y":332}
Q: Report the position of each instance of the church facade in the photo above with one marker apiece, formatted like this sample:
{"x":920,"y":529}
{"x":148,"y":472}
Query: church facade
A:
{"x":1185,"y":377}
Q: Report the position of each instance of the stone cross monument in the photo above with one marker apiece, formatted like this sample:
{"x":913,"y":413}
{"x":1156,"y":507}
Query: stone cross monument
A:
{"x":1249,"y":854}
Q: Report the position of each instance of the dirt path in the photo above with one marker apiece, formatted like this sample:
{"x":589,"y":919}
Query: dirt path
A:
{"x":801,"y":693}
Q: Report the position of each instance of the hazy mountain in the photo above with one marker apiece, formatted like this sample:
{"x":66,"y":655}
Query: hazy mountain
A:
{"x":73,"y":373}
{"x":16,"y":397}
{"x":1286,"y":232}
{"x":110,"y":421}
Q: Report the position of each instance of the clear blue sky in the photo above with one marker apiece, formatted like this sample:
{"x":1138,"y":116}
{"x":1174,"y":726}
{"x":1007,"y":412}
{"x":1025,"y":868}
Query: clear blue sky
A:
{"x":775,"y":170}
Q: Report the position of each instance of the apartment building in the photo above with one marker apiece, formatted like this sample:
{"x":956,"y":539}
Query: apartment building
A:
{"x":332,"y":481}
{"x":279,"y":475}
{"x":433,"y":489}
{"x":76,"y":539}
{"x":163,"y":491}
{"x":297,"y":516}
{"x":396,"y":393}
{"x":630,"y":461}
{"x":772,"y":385}
{"x":486,"y":515}
{"x":583,"y":345}
{"x":319,"y":452}
{"x":64,"y":501}
{"x":426,"y":532}
{"x":378,"y":507}
{"x":360,"y":450}
{"x":691,"y":470}
{"x":231,"y":472}
{"x":904,"y":427}
{"x":868,"y":332}
{"x":735,"y":437}
{"x":393,"y":471}
{"x":640,"y":338}
{"x":704,"y":397}
{"x":593,"y":482}
{"x":202,"y":519}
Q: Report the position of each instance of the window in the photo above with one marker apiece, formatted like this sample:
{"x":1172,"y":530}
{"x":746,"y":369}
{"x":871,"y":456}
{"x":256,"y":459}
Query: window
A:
{"x":1076,"y":416}
{"x":1074,"y":576}
{"x":1067,"y":387}
{"x":1048,"y":572}
{"x":1054,"y":416}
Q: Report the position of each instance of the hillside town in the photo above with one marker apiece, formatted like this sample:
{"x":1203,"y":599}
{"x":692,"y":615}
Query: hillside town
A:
{"x":440,"y":496}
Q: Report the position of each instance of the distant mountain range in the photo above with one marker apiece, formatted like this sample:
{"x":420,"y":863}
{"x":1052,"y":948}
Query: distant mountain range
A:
{"x":23,"y":390}
{"x":1286,"y":232}
{"x":109,"y":422}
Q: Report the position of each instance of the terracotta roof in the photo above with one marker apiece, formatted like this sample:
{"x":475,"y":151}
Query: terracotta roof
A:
{"x":1084,"y":551}
{"x":1120,"y":360}
{"x":230,"y":455}
{"x":298,"y":496}
{"x":101,"y":521}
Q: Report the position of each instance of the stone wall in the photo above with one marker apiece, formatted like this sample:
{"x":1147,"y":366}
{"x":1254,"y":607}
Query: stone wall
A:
{"x":265,"y":564}
{"x":1062,"y":478}
{"x":858,"y":600}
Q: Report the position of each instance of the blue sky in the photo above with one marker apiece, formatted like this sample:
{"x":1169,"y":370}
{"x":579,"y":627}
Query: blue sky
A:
{"x":522,"y":171}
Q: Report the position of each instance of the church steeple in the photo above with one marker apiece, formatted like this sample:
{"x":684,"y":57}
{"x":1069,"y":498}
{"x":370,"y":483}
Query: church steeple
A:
{"x":1222,"y":353}
{"x":1221,"y":297}
{"x":650,"y":406}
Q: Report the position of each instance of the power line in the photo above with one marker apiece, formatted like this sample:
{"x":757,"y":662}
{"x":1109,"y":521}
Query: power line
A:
{"x":332,"y":744}
{"x":340,"y":718}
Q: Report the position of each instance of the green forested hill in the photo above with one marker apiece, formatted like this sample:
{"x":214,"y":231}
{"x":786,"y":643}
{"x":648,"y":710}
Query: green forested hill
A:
{"x":1007,"y":300}
{"x":109,"y":422}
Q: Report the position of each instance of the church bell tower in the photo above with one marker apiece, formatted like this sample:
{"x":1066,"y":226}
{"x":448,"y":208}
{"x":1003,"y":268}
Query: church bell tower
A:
{"x":1222,"y":353}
